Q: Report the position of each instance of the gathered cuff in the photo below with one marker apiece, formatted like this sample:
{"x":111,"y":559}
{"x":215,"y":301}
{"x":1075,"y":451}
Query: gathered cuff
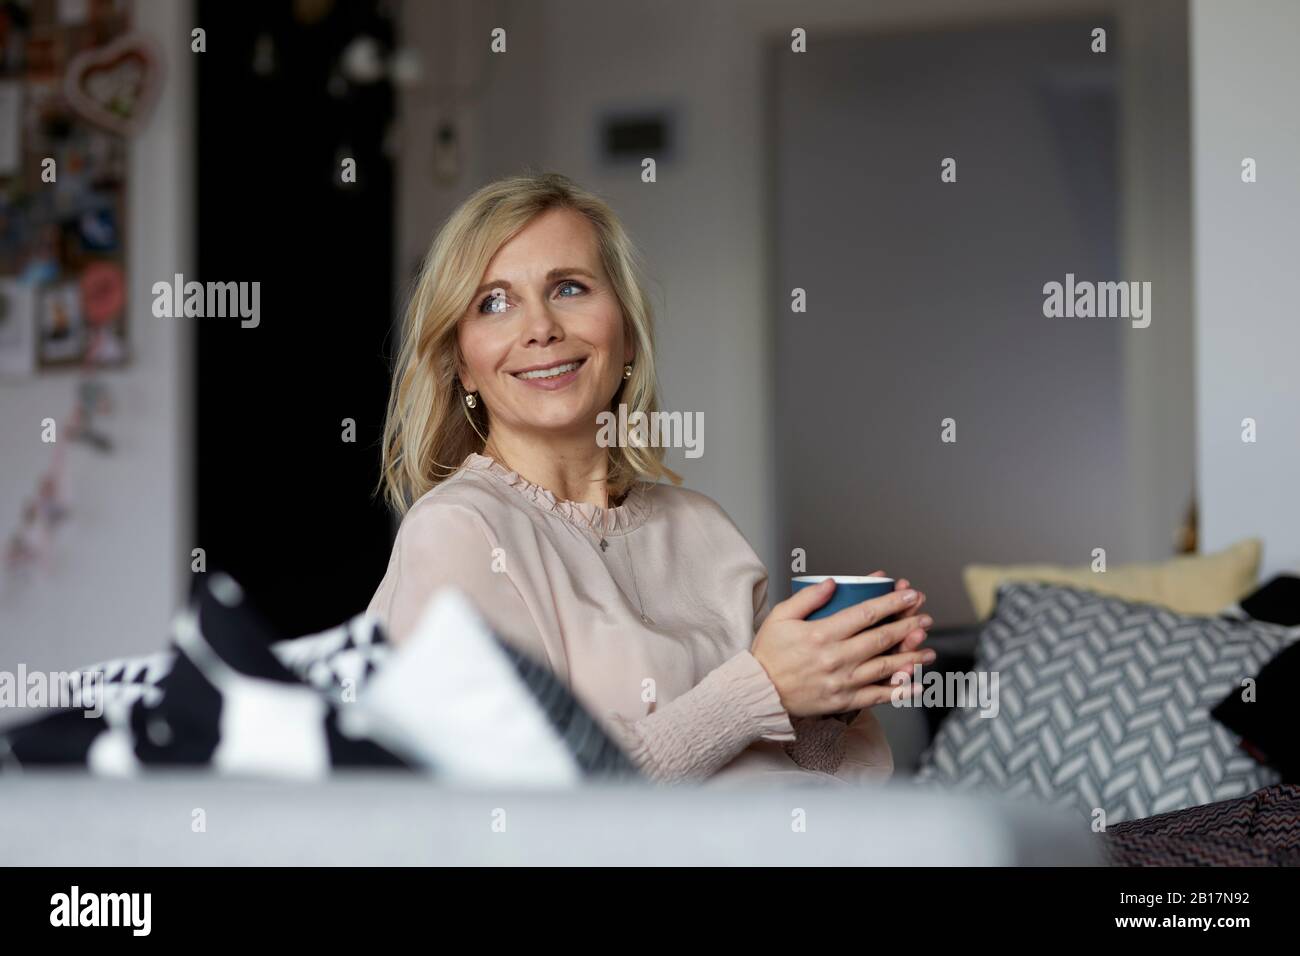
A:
{"x":695,"y":735}
{"x":756,"y":696}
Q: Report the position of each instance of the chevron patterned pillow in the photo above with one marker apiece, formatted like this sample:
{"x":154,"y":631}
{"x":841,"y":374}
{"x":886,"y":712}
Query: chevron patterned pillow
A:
{"x":1105,"y":704}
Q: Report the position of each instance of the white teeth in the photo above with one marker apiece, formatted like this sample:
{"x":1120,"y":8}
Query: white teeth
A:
{"x":550,"y":372}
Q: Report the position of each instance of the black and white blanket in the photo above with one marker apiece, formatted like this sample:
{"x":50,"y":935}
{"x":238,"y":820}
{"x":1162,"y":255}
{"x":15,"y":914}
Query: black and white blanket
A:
{"x":454,"y":700}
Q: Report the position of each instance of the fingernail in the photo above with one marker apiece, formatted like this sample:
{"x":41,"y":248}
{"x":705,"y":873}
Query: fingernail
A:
{"x":909,"y":597}
{"x":928,"y":656}
{"x":926,"y":620}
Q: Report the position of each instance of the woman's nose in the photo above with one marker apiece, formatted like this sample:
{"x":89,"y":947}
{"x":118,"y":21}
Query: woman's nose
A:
{"x":541,"y":327}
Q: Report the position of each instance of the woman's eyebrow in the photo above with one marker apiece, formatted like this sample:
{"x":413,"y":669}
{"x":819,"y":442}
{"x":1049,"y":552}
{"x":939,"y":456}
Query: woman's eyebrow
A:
{"x":550,"y":276}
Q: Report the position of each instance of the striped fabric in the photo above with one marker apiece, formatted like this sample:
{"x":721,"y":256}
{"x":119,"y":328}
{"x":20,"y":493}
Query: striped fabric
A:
{"x":1262,"y":829}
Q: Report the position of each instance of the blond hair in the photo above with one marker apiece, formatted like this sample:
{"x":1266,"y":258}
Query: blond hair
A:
{"x":429,"y":429}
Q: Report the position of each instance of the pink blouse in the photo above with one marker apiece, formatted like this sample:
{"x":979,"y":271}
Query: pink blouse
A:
{"x":646,"y":611}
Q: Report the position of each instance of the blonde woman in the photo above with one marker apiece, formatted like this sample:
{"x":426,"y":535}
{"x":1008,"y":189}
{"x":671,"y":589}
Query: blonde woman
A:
{"x":527,"y":321}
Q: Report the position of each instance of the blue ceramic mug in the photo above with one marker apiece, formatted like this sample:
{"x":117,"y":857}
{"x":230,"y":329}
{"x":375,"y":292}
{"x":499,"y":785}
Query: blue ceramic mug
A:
{"x":849,"y":590}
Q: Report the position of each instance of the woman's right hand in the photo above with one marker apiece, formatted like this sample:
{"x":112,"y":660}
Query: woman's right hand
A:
{"x":838,"y":663}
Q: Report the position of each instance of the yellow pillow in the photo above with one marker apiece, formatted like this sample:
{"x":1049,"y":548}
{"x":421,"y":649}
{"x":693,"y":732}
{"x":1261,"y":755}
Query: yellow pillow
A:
{"x":1192,"y":584}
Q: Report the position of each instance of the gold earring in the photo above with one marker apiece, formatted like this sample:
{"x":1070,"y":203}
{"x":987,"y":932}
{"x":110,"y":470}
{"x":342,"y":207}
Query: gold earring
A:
{"x":471,"y":400}
{"x":627,"y":371}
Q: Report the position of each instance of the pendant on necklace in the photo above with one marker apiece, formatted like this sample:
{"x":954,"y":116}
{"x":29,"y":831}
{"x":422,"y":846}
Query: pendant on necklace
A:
{"x":603,"y":544}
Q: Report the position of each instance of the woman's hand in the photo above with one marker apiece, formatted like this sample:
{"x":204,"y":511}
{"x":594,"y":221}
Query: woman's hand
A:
{"x":912,"y":641}
{"x":839,"y":663}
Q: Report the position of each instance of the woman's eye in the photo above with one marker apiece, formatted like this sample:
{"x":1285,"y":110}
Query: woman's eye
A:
{"x":576,"y":285}
{"x":489,"y":306}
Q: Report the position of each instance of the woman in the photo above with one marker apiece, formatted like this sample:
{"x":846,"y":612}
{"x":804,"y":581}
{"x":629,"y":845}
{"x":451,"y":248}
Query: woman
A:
{"x":527,"y":321}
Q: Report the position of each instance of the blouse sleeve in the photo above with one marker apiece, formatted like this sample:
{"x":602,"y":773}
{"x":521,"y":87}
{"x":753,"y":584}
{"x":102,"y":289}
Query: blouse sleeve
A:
{"x":441,"y":545}
{"x":700,"y":732}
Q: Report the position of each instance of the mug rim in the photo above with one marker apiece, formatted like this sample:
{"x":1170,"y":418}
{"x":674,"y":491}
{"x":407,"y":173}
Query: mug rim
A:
{"x":842,"y":579}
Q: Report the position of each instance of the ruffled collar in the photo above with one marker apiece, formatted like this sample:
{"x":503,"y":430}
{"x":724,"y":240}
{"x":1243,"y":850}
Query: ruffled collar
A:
{"x":628,"y":516}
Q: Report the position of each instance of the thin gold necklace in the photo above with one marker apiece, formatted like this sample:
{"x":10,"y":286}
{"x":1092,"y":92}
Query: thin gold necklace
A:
{"x":600,"y":535}
{"x":627,"y":549}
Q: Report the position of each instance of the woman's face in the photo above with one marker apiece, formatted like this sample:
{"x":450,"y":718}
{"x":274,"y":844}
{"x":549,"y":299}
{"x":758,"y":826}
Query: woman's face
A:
{"x":547,"y":353}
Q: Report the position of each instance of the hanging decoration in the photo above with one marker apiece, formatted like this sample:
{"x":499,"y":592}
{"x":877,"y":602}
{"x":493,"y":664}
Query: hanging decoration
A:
{"x":31,"y":544}
{"x":115,"y":86}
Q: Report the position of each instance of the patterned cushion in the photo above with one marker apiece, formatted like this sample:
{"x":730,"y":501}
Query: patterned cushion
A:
{"x":336,"y":662}
{"x":1104,"y":703}
{"x":340,"y":661}
{"x":220,"y":697}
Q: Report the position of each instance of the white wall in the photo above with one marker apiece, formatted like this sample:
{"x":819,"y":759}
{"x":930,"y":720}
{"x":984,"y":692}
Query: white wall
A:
{"x":121,"y":564}
{"x":1245,"y":90}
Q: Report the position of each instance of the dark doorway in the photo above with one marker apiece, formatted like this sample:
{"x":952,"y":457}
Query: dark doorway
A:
{"x":283,"y":502}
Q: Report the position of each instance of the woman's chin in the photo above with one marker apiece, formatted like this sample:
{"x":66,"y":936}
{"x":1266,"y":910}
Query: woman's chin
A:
{"x":559,"y":420}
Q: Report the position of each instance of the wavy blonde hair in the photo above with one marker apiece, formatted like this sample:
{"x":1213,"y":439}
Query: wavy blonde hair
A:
{"x":429,"y":430}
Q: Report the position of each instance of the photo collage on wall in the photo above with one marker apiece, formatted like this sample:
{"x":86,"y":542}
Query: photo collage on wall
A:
{"x":73,"y":84}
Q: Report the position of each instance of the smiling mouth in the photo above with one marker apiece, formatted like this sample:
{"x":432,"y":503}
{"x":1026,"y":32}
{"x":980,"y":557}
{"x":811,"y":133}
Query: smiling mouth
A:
{"x":550,"y":371}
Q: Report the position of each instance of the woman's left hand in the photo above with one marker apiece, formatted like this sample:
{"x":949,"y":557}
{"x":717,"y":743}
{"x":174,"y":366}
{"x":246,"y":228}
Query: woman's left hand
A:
{"x":909,"y":643}
{"x":912,"y":641}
